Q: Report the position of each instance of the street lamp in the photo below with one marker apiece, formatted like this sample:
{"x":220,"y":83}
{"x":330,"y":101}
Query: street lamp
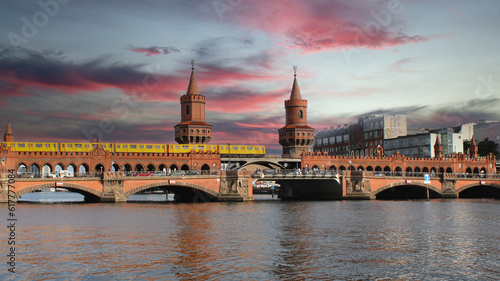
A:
{"x":229,"y":162}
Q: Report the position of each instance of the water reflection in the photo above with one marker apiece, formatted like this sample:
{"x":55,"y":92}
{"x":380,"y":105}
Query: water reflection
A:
{"x":268,"y":240}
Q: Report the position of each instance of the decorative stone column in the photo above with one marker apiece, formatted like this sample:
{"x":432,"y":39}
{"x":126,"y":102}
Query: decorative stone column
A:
{"x":236,"y":186}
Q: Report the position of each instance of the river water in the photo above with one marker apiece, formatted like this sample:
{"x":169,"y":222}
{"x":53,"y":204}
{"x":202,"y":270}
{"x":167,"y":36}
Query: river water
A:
{"x":262,"y":240}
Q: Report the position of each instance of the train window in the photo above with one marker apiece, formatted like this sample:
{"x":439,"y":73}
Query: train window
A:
{"x":38,"y":145}
{"x":235,"y":148}
{"x":62,"y":144}
{"x":87,"y":146}
{"x":141,"y":146}
{"x":185,"y":147}
{"x":78,"y":145}
{"x":133,"y":146}
{"x":200,"y":147}
{"x":124,"y":146}
{"x":94,"y":146}
{"x":250,"y":148}
{"x":257,"y":148}
{"x":110,"y":145}
{"x":21,"y":145}
{"x":117,"y":146}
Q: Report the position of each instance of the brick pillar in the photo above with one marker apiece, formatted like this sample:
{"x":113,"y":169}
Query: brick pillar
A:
{"x":236,"y":186}
{"x":448,"y":187}
{"x":357,"y":186}
{"x":112,"y":189}
{"x":4,"y":189}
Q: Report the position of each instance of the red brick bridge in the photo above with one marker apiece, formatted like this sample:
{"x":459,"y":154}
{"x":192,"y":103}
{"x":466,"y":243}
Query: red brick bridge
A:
{"x":359,"y":185}
{"x":117,"y":187}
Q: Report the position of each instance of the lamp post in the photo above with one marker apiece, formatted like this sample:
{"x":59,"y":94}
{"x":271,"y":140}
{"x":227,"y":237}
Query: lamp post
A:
{"x":229,"y":162}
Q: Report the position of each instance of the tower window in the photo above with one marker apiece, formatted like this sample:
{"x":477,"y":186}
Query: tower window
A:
{"x":301,"y":114}
{"x":187,"y":110}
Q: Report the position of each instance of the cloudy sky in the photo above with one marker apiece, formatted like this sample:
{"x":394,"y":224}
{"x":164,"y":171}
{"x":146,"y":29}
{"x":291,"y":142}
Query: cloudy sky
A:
{"x":70,"y":70}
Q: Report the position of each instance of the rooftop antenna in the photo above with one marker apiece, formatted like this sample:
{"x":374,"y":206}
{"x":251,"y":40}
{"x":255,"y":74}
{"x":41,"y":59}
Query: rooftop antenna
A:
{"x":295,"y":70}
{"x":192,"y":64}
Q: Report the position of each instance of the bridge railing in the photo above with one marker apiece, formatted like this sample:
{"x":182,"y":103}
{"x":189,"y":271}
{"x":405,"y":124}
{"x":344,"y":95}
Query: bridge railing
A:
{"x":294,"y":172}
{"x":431,"y":174}
{"x":201,"y":173}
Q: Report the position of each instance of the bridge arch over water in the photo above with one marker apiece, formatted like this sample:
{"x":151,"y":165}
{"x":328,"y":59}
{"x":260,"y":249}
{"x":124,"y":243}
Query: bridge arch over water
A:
{"x":479,"y":190}
{"x":185,"y":190}
{"x":89,"y":193}
{"x":407,"y":191}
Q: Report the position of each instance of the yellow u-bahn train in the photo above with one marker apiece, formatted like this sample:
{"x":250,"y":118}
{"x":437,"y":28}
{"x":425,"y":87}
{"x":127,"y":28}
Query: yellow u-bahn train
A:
{"x":223,"y":150}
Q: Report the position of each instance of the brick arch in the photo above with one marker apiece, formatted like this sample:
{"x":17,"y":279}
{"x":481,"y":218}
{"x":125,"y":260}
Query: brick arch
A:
{"x":403,"y":183}
{"x":476,"y":184}
{"x":76,"y":187}
{"x":166,"y":183}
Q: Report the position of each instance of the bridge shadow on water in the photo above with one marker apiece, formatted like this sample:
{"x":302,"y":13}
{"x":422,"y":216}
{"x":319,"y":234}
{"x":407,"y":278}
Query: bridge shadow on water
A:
{"x":411,"y":192}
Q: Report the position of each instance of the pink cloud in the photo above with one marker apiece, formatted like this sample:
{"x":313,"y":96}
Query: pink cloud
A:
{"x":317,"y":26}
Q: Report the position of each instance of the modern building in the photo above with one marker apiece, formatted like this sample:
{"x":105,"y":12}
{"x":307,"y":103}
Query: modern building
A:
{"x":487,"y":129}
{"x":422,"y":145}
{"x":363,"y":138}
{"x":419,"y":145}
{"x":334,"y":141}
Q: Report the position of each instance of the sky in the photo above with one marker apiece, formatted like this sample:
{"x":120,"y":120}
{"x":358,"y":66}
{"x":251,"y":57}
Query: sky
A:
{"x":74,"y":70}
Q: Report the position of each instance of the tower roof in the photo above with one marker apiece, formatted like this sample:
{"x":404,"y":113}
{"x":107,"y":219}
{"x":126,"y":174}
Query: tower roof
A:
{"x":193,"y":87}
{"x":295,"y":94}
{"x":473,"y":141}
{"x":437,"y":143}
{"x":9,"y":135}
{"x":9,"y":129}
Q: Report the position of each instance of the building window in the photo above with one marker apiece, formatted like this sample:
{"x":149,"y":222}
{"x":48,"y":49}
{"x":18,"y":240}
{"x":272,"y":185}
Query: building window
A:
{"x":301,"y":114}
{"x":187,"y":110}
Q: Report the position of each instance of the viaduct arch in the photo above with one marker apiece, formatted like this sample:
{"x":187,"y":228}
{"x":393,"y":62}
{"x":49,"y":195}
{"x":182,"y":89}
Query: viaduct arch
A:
{"x":174,"y":186}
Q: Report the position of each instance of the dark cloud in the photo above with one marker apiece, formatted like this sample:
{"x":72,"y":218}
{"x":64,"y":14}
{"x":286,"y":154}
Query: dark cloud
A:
{"x":155,"y":50}
{"x":27,"y":69}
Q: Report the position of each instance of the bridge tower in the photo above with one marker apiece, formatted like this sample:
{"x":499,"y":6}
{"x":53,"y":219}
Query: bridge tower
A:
{"x":438,"y":149}
{"x":193,"y":129}
{"x":473,"y":148}
{"x":9,"y":135}
{"x":296,"y":136}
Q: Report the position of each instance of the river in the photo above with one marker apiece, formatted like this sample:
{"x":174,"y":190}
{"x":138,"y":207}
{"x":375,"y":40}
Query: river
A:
{"x":266,"y":239}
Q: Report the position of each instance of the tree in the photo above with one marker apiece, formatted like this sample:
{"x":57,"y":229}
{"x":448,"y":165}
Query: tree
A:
{"x":487,"y":146}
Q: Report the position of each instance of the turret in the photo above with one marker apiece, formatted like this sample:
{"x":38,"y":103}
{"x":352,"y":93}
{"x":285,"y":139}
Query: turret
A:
{"x":193,"y":129}
{"x":296,"y":136}
{"x":473,"y":148}
{"x":9,"y":135}
{"x":438,"y":148}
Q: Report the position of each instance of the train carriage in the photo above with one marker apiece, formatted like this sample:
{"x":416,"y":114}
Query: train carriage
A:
{"x":141,"y":148}
{"x":34,"y":146}
{"x":83,"y":147}
{"x":242,"y":150}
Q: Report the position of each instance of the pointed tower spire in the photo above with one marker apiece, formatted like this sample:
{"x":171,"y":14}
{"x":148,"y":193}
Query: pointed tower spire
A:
{"x":193,"y":87}
{"x":9,"y":135}
{"x":473,"y":148}
{"x":296,"y":137}
{"x":438,"y":148}
{"x":193,"y":129}
{"x":295,"y":94}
